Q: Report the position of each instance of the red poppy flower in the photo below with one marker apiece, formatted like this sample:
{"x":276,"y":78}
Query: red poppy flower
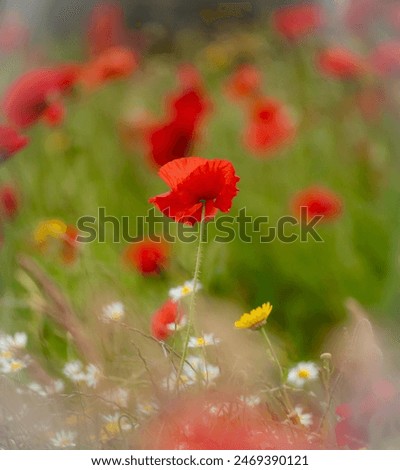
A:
{"x":340,"y":63}
{"x":164,"y":320}
{"x":195,"y":181}
{"x":170,"y":141}
{"x":296,"y":21}
{"x":54,"y":114}
{"x":319,"y":201}
{"x":244,"y":82}
{"x":28,"y":98}
{"x":115,"y":62}
{"x":174,"y":138}
{"x":8,"y":202}
{"x":221,"y":421}
{"x":385,"y":58}
{"x":10,"y":142}
{"x":188,"y":107}
{"x":148,"y":257}
{"x":271,"y":126}
{"x":106,"y":28}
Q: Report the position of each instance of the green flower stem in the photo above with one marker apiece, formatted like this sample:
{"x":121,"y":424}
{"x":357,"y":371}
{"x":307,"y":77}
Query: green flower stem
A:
{"x":286,"y":399}
{"x":193,"y":294}
{"x":272,"y":351}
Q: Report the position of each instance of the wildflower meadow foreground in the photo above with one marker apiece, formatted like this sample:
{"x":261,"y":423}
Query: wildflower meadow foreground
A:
{"x":199,"y":231}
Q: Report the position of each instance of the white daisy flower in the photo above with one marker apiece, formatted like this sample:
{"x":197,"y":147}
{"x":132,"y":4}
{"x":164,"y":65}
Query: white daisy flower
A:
{"x":64,"y":439}
{"x":92,"y":376}
{"x":37,"y":388}
{"x":303,"y":372}
{"x":74,"y":371}
{"x":13,"y":365}
{"x":177,"y":326}
{"x":18,"y":341}
{"x":306,"y":419}
{"x":250,"y":400}
{"x":205,"y":340}
{"x":114,"y":424}
{"x":146,"y":409}
{"x":9,"y":344}
{"x":56,"y":387}
{"x":197,"y":369}
{"x":170,"y":383}
{"x":177,"y":293}
{"x":113,"y":312}
{"x":117,"y":396}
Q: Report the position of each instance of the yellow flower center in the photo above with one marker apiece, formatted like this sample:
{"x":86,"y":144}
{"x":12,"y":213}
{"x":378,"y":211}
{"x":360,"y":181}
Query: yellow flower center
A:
{"x":115,"y":316}
{"x":6,"y":355}
{"x":65,"y":442}
{"x":186,"y":290}
{"x":184,"y":378}
{"x":112,"y":428}
{"x":16,"y":366}
{"x":304,"y":373}
{"x":201,"y":341}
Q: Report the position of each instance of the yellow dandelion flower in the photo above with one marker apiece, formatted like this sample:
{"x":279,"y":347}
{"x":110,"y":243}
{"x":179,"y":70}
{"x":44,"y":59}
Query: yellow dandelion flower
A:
{"x":52,"y":228}
{"x":255,"y":319}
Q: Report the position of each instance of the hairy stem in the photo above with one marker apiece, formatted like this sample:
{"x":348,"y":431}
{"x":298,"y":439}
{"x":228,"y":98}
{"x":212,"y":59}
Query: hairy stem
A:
{"x":285,"y":397}
{"x":193,"y":294}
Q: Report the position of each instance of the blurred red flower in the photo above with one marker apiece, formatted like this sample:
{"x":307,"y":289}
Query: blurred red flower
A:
{"x":188,"y":107}
{"x":10,"y":142}
{"x":340,"y":63}
{"x":170,"y":141}
{"x":69,"y":246}
{"x":319,"y":201}
{"x":372,"y":412}
{"x":385,"y":58}
{"x":9,"y":202}
{"x":296,"y":21}
{"x":106,"y":27}
{"x":29,"y":97}
{"x":175,"y":137}
{"x":54,"y":114}
{"x":218,"y":420}
{"x":164,"y":320}
{"x":271,"y":126}
{"x":244,"y":82}
{"x":113,"y":63}
{"x":195,"y":181}
{"x":148,"y":257}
